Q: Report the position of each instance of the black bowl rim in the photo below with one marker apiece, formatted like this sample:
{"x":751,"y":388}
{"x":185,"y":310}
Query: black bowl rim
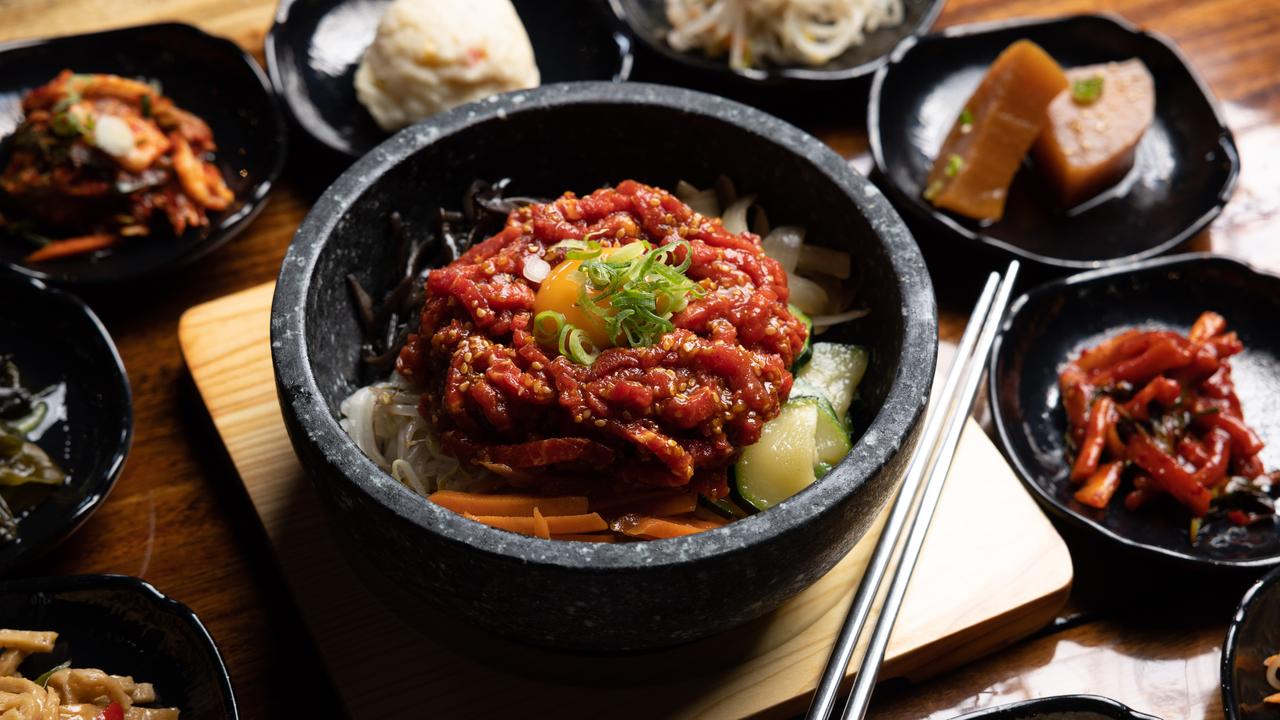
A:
{"x":773,"y":75}
{"x":300,"y":395}
{"x":163,"y":603}
{"x":1005,"y":433}
{"x":253,"y":203}
{"x":944,"y":222}
{"x":119,"y":381}
{"x":1059,"y":703}
{"x":626,"y":62}
{"x":1230,"y":705}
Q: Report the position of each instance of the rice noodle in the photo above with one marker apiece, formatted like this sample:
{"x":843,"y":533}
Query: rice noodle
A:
{"x":807,"y":32}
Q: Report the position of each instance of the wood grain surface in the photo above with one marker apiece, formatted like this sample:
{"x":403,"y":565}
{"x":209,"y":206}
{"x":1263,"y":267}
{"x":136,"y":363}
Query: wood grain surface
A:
{"x":179,"y":517}
{"x":767,"y":669}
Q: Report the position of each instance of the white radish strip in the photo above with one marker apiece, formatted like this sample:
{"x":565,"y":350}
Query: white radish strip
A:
{"x":735,"y":216}
{"x":825,"y":261}
{"x":807,"y":295}
{"x":785,"y":244}
{"x":823,"y":321}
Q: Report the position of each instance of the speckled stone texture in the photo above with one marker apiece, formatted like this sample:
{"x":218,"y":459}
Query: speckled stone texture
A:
{"x":579,"y":136}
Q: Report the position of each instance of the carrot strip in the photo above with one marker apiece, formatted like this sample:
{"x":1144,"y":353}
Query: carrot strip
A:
{"x":613,"y":503}
{"x":681,"y":504}
{"x":556,"y":524}
{"x":488,"y":504}
{"x":659,"y":528}
{"x":60,"y":249}
{"x":1101,"y":486}
{"x":581,"y":537}
{"x":540,"y":527}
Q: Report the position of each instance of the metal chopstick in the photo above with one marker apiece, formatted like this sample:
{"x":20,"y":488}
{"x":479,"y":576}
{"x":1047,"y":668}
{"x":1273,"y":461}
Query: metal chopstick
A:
{"x":932,"y":460}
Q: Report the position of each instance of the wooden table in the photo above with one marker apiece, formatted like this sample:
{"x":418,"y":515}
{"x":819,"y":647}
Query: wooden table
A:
{"x":180,"y":519}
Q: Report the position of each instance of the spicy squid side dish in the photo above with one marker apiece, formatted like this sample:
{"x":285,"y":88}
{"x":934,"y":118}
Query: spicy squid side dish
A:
{"x":618,"y":366}
{"x":1156,"y":411}
{"x":101,"y":158}
{"x":68,"y":693}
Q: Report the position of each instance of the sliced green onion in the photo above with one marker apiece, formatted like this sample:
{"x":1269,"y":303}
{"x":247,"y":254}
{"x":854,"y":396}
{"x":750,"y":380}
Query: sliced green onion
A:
{"x":1086,"y":91}
{"x":581,"y":350}
{"x":43,"y":679}
{"x":590,"y":249}
{"x":954,"y":164}
{"x":547,"y":326}
{"x":966,"y":119}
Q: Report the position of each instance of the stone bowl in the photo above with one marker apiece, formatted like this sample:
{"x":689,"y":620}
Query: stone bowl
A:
{"x":580,"y":136}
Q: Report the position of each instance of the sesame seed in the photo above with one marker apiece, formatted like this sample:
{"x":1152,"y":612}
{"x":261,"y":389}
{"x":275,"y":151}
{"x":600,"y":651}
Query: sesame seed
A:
{"x":599,"y":423}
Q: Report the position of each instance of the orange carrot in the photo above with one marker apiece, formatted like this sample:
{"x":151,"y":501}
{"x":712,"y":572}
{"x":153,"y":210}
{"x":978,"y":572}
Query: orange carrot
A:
{"x":681,"y":504}
{"x":556,"y":524}
{"x":59,"y":249}
{"x":615,"y":504}
{"x":657,"y":528}
{"x":511,"y":505}
{"x":540,"y":527}
{"x":580,"y":537}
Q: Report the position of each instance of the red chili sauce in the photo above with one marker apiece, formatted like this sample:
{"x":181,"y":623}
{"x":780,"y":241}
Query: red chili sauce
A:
{"x":670,"y":414}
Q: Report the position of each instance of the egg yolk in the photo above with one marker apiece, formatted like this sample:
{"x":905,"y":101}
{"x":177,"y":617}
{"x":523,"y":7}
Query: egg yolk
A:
{"x":561,"y":290}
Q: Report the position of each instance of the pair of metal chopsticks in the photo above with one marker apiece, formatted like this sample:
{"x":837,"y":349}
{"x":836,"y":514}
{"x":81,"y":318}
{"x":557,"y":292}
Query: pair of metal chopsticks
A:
{"x":913,"y":509}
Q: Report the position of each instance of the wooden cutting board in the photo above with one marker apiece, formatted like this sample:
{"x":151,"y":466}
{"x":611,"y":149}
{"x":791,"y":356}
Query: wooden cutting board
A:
{"x":992,"y":571}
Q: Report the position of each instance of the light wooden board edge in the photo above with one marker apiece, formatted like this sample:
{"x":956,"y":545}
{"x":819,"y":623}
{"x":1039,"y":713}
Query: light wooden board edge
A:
{"x":776,"y":660}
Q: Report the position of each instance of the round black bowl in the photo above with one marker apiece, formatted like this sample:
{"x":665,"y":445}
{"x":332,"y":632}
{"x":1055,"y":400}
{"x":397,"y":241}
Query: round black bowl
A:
{"x":207,"y":75}
{"x":55,"y":338}
{"x":585,"y":595}
{"x":1252,"y":636}
{"x":647,"y":21}
{"x":1184,"y":170}
{"x":314,"y":48}
{"x":1055,"y":321}
{"x":1060,"y":707}
{"x":124,"y":626}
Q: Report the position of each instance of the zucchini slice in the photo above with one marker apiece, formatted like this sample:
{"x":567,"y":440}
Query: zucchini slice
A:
{"x":831,"y":436}
{"x":807,"y":350}
{"x":833,"y":372}
{"x":781,"y":463}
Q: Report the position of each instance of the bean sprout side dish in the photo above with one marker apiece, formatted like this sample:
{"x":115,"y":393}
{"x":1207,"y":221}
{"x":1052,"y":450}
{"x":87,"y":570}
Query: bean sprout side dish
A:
{"x":606,"y":367}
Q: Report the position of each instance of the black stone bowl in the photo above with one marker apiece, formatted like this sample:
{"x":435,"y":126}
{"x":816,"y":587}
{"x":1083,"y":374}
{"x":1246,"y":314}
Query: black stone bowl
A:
{"x":314,"y":48}
{"x":1252,"y":637}
{"x":646,"y":20}
{"x":1057,"y":320}
{"x":581,"y":136}
{"x":54,"y":338}
{"x":1060,"y":707}
{"x":1184,"y":169}
{"x":124,"y":626}
{"x":207,"y":75}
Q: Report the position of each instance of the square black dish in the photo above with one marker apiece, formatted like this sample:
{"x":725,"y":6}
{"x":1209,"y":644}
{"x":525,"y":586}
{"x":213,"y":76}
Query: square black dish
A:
{"x":1252,"y":637}
{"x":647,"y":21}
{"x":209,"y":76}
{"x":1055,"y":321}
{"x":124,"y":626}
{"x":314,"y":48}
{"x":54,"y":338}
{"x":1184,"y":170}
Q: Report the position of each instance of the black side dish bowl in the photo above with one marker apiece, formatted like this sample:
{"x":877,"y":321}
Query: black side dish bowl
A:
{"x":53,"y":338}
{"x":1055,"y":321}
{"x":1252,"y":637}
{"x":314,"y":48}
{"x":1060,"y":707}
{"x":203,"y":74}
{"x":124,"y":626}
{"x":586,"y":593}
{"x":646,"y":20}
{"x":1184,"y":170}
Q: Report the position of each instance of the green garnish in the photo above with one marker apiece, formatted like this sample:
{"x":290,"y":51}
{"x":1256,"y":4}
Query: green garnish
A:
{"x":954,"y":164}
{"x":636,"y":292}
{"x":966,"y":120}
{"x":1087,"y":90}
{"x":935,"y":188}
{"x":43,"y":680}
{"x":146,"y":106}
{"x":67,"y":124}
